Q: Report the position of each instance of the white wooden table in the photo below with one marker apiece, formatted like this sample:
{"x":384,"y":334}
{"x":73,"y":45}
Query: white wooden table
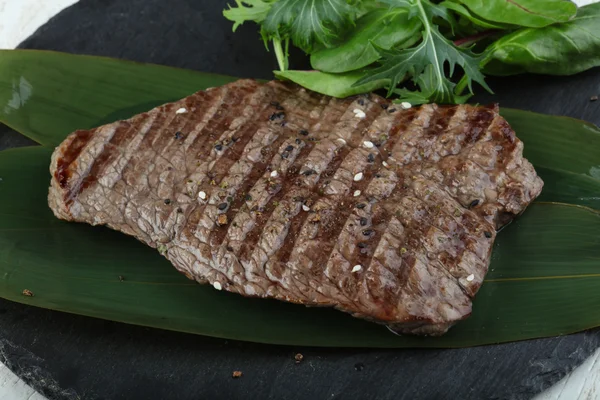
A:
{"x":20,"y":18}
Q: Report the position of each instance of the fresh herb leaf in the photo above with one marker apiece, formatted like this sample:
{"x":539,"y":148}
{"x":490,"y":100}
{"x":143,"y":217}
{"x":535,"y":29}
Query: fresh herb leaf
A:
{"x":530,"y":13}
{"x":386,"y":28}
{"x":435,"y":51}
{"x":423,"y":40}
{"x":466,"y":13}
{"x":429,"y":90}
{"x":310,"y":24}
{"x":248,"y":10}
{"x":562,"y":49}
{"x":335,"y":85}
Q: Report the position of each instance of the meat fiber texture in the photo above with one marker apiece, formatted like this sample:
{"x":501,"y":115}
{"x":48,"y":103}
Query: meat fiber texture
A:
{"x":270,"y":190}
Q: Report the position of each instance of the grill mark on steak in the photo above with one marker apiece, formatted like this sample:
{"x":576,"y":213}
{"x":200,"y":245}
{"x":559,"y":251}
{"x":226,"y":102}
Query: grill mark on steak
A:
{"x":427,"y":224}
{"x":131,"y":174}
{"x":325,"y":250}
{"x":441,"y":121}
{"x":298,"y":220}
{"x":307,"y":146}
{"x":402,"y":120}
{"x":110,"y":152}
{"x":301,"y":218}
{"x":379,"y":219}
{"x":82,"y":172}
{"x":253,"y":236}
{"x":208,"y":147}
{"x":80,"y":139}
{"x":257,"y":173}
{"x":209,"y":104}
{"x":203,"y":144}
{"x":424,"y":234}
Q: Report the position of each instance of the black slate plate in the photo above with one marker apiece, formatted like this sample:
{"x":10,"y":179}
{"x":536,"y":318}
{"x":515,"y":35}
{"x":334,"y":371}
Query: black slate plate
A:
{"x":72,"y":357}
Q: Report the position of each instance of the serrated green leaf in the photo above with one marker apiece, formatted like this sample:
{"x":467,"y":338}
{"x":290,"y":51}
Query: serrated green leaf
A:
{"x":435,"y":51}
{"x":431,"y":90}
{"x":309,"y":23}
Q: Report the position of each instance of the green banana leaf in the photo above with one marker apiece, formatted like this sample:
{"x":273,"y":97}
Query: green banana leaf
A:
{"x":544,"y":279}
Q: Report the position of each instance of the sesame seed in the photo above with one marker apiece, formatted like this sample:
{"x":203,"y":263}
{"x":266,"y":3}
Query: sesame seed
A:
{"x":359,"y":113}
{"x":305,"y":207}
{"x":202,"y":195}
{"x":368,"y":145}
{"x":358,"y":177}
{"x":342,"y":141}
{"x":405,"y":105}
{"x":217,"y":285}
{"x":356,"y":268}
{"x":182,"y":110}
{"x":385,"y":164}
{"x":356,"y":193}
{"x":470,"y":277}
{"x":274,"y":174}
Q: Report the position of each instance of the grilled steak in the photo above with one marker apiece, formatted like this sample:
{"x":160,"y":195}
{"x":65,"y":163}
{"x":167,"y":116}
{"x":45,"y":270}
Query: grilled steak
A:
{"x":269,"y":190}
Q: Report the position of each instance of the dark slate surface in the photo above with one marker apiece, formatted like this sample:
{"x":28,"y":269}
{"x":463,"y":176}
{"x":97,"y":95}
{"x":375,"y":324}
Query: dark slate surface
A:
{"x":72,"y":357}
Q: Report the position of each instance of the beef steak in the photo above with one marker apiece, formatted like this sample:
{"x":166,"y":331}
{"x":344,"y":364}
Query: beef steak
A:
{"x":270,"y":190}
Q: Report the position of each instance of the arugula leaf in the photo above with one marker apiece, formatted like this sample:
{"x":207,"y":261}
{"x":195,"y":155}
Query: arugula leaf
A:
{"x":429,"y":59}
{"x":310,"y":23}
{"x":248,"y":10}
{"x":429,"y":91}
